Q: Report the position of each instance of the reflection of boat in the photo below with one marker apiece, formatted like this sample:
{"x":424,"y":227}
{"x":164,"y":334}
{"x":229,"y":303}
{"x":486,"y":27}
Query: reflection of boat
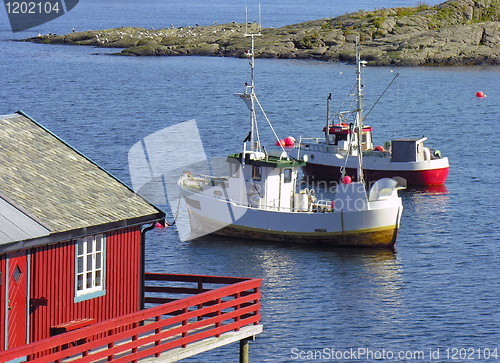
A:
{"x":258,"y":199}
{"x":430,"y":190}
{"x":338,"y":150}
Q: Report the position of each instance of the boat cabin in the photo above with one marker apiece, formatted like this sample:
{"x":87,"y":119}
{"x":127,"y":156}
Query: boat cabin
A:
{"x":411,"y":149}
{"x":268,"y":179}
{"x":341,"y":135}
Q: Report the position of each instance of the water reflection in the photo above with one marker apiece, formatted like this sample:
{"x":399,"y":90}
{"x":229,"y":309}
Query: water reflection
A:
{"x":429,"y":190}
{"x":342,"y":292}
{"x":426,"y":213}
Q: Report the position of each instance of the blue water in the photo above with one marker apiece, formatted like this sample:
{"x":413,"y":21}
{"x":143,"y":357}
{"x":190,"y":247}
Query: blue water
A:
{"x":439,"y":290}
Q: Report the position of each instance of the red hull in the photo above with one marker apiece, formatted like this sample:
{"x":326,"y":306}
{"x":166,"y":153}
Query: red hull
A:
{"x":413,"y":177}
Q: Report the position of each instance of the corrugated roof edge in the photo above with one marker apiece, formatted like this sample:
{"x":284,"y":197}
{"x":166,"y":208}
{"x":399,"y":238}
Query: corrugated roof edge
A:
{"x":23,"y":210}
{"x":20,"y":112}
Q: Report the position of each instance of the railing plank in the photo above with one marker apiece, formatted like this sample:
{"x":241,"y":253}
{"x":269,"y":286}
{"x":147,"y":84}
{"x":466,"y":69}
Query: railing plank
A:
{"x":186,"y":340}
{"x":177,"y":330}
{"x":162,"y":323}
{"x":174,"y":290}
{"x":151,"y":276}
{"x":126,"y":338}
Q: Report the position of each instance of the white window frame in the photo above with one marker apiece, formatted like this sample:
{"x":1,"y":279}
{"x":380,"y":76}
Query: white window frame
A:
{"x":90,"y":267}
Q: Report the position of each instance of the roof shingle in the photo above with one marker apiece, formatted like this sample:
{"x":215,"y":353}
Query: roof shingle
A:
{"x":56,"y":185}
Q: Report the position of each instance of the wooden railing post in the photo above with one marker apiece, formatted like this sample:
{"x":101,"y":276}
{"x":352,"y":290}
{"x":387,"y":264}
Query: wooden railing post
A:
{"x":157,"y":331}
{"x":237,"y":307}
{"x":111,"y":345}
{"x":219,"y":313}
{"x":134,"y":338}
{"x":200,"y":290}
{"x":184,"y":323}
{"x":257,"y":290}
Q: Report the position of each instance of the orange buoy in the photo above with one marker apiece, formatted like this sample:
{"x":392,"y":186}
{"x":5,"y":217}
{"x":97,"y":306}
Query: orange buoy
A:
{"x":347,"y":179}
{"x":280,"y":143}
{"x":480,"y":94}
{"x":378,"y":148}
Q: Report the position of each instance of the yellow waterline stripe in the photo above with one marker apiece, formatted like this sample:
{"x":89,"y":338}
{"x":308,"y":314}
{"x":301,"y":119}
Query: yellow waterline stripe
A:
{"x":288,"y":233}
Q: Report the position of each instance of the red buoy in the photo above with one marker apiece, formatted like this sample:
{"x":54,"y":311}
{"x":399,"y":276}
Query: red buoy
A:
{"x":280,"y":143}
{"x":289,"y":141}
{"x":378,"y":148}
{"x":480,"y":94}
{"x":347,"y":179}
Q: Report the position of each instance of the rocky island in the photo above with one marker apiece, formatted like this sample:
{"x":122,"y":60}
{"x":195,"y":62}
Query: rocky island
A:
{"x":456,"y":32}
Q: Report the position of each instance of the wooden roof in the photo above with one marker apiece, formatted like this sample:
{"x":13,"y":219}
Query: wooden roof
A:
{"x":62,"y":190}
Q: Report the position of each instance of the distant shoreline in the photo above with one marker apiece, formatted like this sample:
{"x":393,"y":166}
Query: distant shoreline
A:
{"x":456,"y":32}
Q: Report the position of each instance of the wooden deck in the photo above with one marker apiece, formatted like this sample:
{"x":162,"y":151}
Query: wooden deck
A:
{"x":212,"y":311}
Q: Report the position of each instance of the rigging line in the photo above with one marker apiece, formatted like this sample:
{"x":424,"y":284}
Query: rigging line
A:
{"x":343,"y":102}
{"x":349,"y":146}
{"x":382,"y":95}
{"x":177,"y":212}
{"x":257,"y":128}
{"x":269,"y":123}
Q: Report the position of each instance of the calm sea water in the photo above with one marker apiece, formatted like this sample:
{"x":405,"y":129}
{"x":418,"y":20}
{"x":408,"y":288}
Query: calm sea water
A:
{"x":438,"y":291}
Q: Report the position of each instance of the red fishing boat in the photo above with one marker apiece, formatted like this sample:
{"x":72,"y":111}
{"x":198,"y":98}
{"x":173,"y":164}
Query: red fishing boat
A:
{"x":336,"y":154}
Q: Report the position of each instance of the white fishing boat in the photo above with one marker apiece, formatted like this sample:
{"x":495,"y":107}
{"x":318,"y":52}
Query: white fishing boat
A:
{"x":336,"y":153}
{"x":258,"y":198}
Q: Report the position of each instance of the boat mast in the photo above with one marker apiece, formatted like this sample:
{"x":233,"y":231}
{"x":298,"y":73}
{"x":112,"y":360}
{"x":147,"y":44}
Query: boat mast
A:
{"x":254,"y":142}
{"x":359,"y":114}
{"x":327,"y":128}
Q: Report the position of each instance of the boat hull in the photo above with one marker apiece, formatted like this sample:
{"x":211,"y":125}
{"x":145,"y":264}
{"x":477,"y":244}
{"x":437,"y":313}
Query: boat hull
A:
{"x":384,"y":237}
{"x":429,"y":177}
{"x":376,"y":227}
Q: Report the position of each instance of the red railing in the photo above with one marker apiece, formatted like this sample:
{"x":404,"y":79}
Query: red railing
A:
{"x":208,"y":311}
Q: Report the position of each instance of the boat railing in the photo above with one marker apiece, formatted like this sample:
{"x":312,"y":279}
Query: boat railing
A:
{"x":382,"y":154}
{"x":313,"y":139}
{"x":200,"y":182}
{"x":183,"y":311}
{"x":318,"y":206}
{"x":323,"y":205}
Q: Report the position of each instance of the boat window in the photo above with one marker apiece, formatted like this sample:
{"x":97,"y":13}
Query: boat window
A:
{"x":340,"y":137}
{"x":287,"y":175}
{"x":256,"y":173}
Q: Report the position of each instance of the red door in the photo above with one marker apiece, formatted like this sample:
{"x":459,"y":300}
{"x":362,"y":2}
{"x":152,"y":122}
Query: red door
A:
{"x":16,"y":299}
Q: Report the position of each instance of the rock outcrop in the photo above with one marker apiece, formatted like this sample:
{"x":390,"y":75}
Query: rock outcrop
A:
{"x":456,"y":32}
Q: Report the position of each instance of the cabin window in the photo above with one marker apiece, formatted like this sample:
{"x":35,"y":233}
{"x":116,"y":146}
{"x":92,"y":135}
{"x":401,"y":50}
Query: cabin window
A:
{"x":257,"y":173}
{"x":287,"y":175}
{"x":90,"y":267}
{"x":340,"y":137}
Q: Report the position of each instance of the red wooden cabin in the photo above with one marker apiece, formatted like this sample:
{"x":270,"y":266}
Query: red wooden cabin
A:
{"x":72,"y":274}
